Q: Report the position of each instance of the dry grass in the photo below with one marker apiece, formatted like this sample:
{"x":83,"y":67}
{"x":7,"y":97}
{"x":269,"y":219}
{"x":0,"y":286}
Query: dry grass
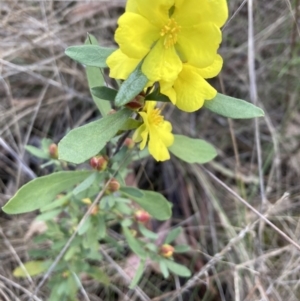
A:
{"x":236,"y":254}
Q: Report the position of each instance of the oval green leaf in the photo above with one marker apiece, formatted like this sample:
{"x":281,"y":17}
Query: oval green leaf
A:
{"x":178,"y":269}
{"x":132,"y":192}
{"x":134,"y":244}
{"x":95,"y":78}
{"x":172,"y":235}
{"x":41,"y":191}
{"x":104,"y":93}
{"x":90,"y":55}
{"x":153,"y":202}
{"x":135,"y":83}
{"x":192,"y":150}
{"x":233,"y":107}
{"x":87,"y":141}
{"x":33,"y":268}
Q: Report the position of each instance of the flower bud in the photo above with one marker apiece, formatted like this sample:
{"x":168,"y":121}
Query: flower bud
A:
{"x":166,"y":250}
{"x":53,"y":151}
{"x":129,"y":143}
{"x":113,"y":186}
{"x":98,"y":163}
{"x":142,"y":216}
{"x":137,"y":103}
{"x":95,"y":210}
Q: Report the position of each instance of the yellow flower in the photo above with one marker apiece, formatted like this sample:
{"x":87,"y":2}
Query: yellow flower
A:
{"x":166,"y":33}
{"x":157,"y":130}
{"x":189,"y":91}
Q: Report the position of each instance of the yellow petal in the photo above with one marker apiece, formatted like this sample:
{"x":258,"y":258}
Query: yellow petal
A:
{"x":149,"y":106}
{"x":156,"y":11}
{"x":141,"y":135}
{"x":157,"y":148}
{"x":192,"y":89}
{"x":135,"y":35}
{"x":188,"y":12}
{"x":121,"y":65}
{"x":213,"y":69}
{"x":165,"y":134}
{"x":131,"y":6}
{"x":162,"y":63}
{"x":166,"y":88}
{"x":198,"y":45}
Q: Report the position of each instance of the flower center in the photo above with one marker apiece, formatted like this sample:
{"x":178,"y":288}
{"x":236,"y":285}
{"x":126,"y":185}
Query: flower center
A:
{"x":170,"y":32}
{"x":155,"y":118}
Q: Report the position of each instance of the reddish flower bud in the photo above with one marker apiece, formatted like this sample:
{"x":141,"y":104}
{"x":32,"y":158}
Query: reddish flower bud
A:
{"x":129,"y":143}
{"x":113,"y":186}
{"x":137,"y":103}
{"x":95,"y":210}
{"x":142,"y":216}
{"x":98,"y":163}
{"x":166,"y":250}
{"x":53,"y":151}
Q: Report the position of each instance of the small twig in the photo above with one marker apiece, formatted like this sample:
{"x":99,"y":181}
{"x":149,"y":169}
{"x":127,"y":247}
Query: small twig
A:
{"x":13,"y":251}
{"x":82,"y":290}
{"x":67,"y":245}
{"x":253,"y":96}
{"x":137,"y":290}
{"x":25,"y":168}
{"x":284,"y":235}
{"x":16,"y":285}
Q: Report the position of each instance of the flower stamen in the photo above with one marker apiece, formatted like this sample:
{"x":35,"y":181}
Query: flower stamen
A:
{"x":155,"y":117}
{"x":170,"y":32}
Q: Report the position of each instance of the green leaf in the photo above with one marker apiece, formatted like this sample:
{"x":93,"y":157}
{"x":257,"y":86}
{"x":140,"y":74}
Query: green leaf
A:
{"x":95,"y":78}
{"x":134,"y":244}
{"x":87,"y":141}
{"x":233,"y":107}
{"x":153,"y":202}
{"x":132,"y":192}
{"x":147,"y":233}
{"x":88,"y":182}
{"x":163,"y":268}
{"x":61,"y":201}
{"x":104,"y":93}
{"x":90,"y":55}
{"x":41,"y":191}
{"x":172,"y":235}
{"x":192,"y":150}
{"x":48,"y":215}
{"x":37,"y":152}
{"x":131,"y":124}
{"x":135,"y":83}
{"x":138,"y":275}
{"x":181,"y":249}
{"x":86,"y":226}
{"x":33,"y":268}
{"x":99,"y":275}
{"x":178,"y":269}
